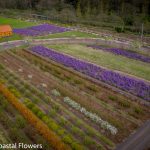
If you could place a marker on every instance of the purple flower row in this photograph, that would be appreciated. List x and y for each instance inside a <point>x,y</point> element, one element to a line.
<point>122,52</point>
<point>135,86</point>
<point>39,30</point>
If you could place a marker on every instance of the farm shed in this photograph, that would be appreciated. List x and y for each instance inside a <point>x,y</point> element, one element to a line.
<point>5,30</point>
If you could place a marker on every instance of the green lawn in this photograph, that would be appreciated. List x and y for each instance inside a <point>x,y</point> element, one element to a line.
<point>11,38</point>
<point>106,59</point>
<point>69,34</point>
<point>15,23</point>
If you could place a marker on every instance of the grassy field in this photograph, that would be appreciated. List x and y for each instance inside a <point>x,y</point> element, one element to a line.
<point>11,38</point>
<point>120,63</point>
<point>15,23</point>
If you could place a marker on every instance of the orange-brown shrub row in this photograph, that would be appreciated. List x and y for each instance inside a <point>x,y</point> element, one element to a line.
<point>49,135</point>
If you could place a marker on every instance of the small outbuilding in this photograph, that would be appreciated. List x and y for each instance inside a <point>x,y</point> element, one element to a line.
<point>5,30</point>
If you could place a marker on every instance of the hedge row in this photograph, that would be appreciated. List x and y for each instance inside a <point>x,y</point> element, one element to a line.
<point>49,135</point>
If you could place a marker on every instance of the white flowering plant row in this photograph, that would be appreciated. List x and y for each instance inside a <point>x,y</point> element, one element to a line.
<point>94,117</point>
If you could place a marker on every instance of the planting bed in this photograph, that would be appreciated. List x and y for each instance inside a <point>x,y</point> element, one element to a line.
<point>106,59</point>
<point>126,83</point>
<point>40,30</point>
<point>121,52</point>
<point>82,114</point>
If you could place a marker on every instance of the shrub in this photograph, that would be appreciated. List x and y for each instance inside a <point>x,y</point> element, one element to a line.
<point>88,141</point>
<point>78,81</point>
<point>40,114</point>
<point>124,103</point>
<point>22,89</point>
<point>63,122</point>
<point>26,101</point>
<point>53,126</point>
<point>61,132</point>
<point>90,132</point>
<point>55,92</point>
<point>35,110</point>
<point>4,104</point>
<point>67,139</point>
<point>76,146</point>
<point>52,113</point>
<point>30,105</point>
<point>113,98</point>
<point>76,130</point>
<point>128,20</point>
<point>45,119</point>
<point>20,122</point>
<point>27,93</point>
<point>56,107</point>
<point>41,95</point>
<point>138,110</point>
<point>3,81</point>
<point>15,92</point>
<point>35,100</point>
<point>119,29</point>
<point>92,88</point>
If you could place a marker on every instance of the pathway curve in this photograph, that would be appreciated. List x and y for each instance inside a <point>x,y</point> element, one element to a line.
<point>114,43</point>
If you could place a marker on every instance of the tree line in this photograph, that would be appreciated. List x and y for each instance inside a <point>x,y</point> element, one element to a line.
<point>86,6</point>
<point>126,12</point>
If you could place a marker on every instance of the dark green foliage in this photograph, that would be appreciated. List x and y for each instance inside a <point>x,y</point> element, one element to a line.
<point>119,29</point>
<point>108,13</point>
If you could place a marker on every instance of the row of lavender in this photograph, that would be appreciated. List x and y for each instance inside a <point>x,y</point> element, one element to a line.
<point>132,85</point>
<point>122,52</point>
<point>39,30</point>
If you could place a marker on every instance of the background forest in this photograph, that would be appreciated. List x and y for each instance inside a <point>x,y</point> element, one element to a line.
<point>120,14</point>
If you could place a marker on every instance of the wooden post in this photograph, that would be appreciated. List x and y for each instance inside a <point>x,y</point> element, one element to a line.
<point>142,30</point>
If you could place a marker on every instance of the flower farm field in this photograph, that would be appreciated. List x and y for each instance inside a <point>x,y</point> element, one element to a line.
<point>70,96</point>
<point>106,59</point>
<point>82,114</point>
